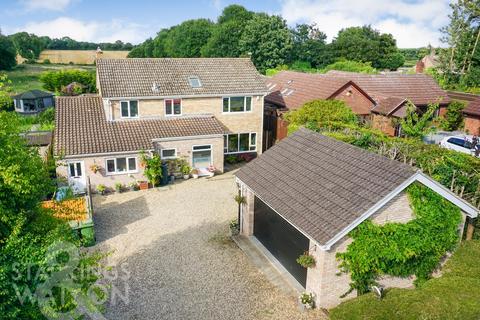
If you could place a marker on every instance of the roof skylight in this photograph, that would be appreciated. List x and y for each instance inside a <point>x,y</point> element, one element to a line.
<point>194,82</point>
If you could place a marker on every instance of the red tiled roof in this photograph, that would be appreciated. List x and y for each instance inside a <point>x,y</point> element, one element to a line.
<point>421,89</point>
<point>293,89</point>
<point>473,108</point>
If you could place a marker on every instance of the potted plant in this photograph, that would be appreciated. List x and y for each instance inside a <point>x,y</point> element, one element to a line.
<point>118,187</point>
<point>186,171</point>
<point>134,186</point>
<point>234,227</point>
<point>153,168</point>
<point>307,300</point>
<point>143,185</point>
<point>306,260</point>
<point>101,189</point>
<point>194,173</point>
<point>95,168</point>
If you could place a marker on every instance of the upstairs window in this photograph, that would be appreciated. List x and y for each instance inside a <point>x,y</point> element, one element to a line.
<point>237,104</point>
<point>129,109</point>
<point>173,107</point>
<point>194,82</point>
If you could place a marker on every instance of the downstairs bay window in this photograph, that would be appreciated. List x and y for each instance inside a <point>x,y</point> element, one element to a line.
<point>121,165</point>
<point>240,142</point>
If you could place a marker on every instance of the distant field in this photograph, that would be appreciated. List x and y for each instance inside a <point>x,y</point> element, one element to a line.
<point>78,56</point>
<point>25,76</point>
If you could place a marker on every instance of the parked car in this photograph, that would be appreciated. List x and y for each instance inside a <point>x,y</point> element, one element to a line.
<point>461,144</point>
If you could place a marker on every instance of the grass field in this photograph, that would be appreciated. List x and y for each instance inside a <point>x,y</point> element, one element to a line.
<point>25,77</point>
<point>455,295</point>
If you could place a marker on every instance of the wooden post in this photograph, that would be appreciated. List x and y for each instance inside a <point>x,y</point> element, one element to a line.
<point>470,229</point>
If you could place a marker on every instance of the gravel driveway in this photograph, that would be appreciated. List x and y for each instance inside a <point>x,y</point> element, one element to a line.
<point>171,246</point>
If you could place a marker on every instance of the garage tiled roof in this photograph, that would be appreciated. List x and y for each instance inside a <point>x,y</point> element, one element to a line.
<point>293,89</point>
<point>419,88</point>
<point>139,77</point>
<point>81,128</point>
<point>473,108</point>
<point>319,184</point>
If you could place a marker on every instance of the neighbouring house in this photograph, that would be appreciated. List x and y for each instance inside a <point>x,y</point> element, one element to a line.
<point>472,117</point>
<point>33,101</point>
<point>198,109</point>
<point>429,61</point>
<point>379,98</point>
<point>306,193</point>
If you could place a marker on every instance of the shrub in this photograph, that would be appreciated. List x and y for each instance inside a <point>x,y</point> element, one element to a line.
<point>453,118</point>
<point>351,66</point>
<point>231,159</point>
<point>153,168</point>
<point>101,188</point>
<point>56,80</point>
<point>46,61</point>
<point>118,187</point>
<point>306,260</point>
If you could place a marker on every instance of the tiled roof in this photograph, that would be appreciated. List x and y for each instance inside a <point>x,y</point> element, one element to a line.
<point>389,105</point>
<point>33,94</point>
<point>319,184</point>
<point>170,77</point>
<point>421,89</point>
<point>473,108</point>
<point>81,128</point>
<point>293,89</point>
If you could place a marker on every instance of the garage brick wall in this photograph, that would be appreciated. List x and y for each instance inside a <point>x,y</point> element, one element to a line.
<point>383,124</point>
<point>325,279</point>
<point>472,125</point>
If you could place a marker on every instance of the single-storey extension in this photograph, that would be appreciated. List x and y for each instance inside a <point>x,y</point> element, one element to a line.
<point>306,193</point>
<point>472,117</point>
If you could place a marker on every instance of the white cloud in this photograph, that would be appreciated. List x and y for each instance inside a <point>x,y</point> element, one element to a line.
<point>88,30</point>
<point>54,5</point>
<point>413,24</point>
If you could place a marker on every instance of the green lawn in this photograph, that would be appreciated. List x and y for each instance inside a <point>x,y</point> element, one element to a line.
<point>24,77</point>
<point>455,295</point>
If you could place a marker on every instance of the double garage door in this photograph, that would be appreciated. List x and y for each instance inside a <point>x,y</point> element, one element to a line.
<point>283,241</point>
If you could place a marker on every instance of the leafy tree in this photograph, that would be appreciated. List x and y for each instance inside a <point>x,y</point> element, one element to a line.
<point>268,41</point>
<point>187,39</point>
<point>351,66</point>
<point>56,81</point>
<point>6,101</point>
<point>453,118</point>
<point>364,44</point>
<point>415,124</point>
<point>8,53</point>
<point>321,113</point>
<point>226,35</point>
<point>309,46</point>
<point>28,45</point>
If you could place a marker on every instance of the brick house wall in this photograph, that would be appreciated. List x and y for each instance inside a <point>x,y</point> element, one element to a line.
<point>184,150</point>
<point>355,99</point>
<point>383,123</point>
<point>241,122</point>
<point>472,124</point>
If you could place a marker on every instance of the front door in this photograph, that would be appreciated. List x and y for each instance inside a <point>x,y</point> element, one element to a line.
<point>76,176</point>
<point>201,156</point>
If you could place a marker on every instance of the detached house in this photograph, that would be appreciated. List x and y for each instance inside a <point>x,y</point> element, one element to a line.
<point>197,109</point>
<point>377,99</point>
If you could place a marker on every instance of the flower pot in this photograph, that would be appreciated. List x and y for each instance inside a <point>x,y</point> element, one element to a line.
<point>195,176</point>
<point>143,185</point>
<point>186,176</point>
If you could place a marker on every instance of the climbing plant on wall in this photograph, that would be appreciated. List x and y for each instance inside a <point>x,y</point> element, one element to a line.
<point>403,249</point>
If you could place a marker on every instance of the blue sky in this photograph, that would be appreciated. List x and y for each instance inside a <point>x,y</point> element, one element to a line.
<point>412,22</point>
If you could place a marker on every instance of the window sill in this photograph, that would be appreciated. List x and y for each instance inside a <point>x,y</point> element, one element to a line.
<point>120,173</point>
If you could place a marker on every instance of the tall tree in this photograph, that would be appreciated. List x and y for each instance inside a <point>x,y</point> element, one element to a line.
<point>267,39</point>
<point>309,45</point>
<point>27,45</point>
<point>364,44</point>
<point>187,39</point>
<point>8,53</point>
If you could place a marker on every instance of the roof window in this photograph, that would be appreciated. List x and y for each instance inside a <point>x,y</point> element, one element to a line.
<point>194,82</point>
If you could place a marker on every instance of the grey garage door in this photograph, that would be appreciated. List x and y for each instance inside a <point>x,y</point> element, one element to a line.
<point>280,238</point>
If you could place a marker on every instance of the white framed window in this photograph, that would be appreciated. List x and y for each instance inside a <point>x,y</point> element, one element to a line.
<point>129,109</point>
<point>173,107</point>
<point>121,165</point>
<point>240,142</point>
<point>168,153</point>
<point>237,104</point>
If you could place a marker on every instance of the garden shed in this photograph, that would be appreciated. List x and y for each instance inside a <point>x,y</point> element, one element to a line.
<point>33,101</point>
<point>309,193</point>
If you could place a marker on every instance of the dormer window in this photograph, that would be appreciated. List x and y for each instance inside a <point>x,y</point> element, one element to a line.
<point>129,109</point>
<point>194,82</point>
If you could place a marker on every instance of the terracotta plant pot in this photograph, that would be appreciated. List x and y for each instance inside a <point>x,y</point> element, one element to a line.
<point>143,185</point>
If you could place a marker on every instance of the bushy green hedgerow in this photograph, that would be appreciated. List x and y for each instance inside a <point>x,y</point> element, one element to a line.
<point>403,249</point>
